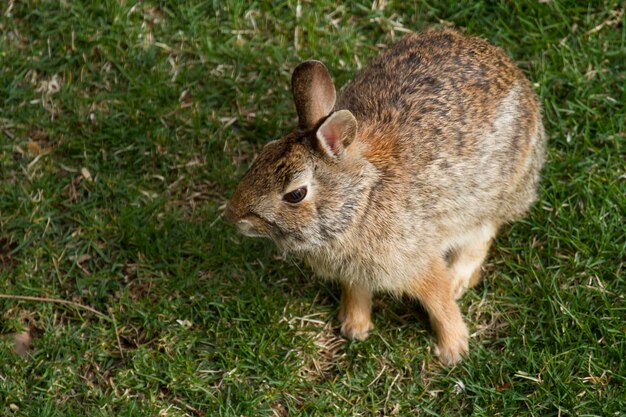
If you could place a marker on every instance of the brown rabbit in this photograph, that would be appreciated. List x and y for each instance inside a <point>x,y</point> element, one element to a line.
<point>401,184</point>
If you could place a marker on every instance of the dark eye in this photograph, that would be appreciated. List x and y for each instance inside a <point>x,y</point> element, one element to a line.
<point>295,196</point>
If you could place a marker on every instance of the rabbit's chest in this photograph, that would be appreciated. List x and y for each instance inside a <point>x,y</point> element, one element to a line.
<point>382,271</point>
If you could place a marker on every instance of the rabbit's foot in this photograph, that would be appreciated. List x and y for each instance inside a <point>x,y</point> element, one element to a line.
<point>459,286</point>
<point>471,248</point>
<point>453,345</point>
<point>356,328</point>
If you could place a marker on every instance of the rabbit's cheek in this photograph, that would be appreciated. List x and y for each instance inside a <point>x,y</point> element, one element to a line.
<point>297,228</point>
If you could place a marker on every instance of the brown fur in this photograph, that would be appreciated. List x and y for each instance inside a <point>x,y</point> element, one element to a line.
<point>312,104</point>
<point>448,146</point>
<point>432,289</point>
<point>355,311</point>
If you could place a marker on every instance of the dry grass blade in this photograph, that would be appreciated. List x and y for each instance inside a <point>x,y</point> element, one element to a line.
<point>73,304</point>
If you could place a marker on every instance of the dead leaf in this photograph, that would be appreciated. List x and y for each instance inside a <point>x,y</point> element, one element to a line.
<point>86,174</point>
<point>22,343</point>
<point>80,259</point>
<point>34,148</point>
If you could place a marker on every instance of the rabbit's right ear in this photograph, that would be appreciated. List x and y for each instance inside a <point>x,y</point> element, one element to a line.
<point>313,92</point>
<point>336,133</point>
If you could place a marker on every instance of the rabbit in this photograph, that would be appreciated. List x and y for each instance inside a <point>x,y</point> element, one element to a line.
<point>400,183</point>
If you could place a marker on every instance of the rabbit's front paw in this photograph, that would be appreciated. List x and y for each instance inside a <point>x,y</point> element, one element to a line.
<point>453,346</point>
<point>356,327</point>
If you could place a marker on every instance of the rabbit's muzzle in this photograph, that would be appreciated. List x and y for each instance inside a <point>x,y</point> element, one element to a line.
<point>247,223</point>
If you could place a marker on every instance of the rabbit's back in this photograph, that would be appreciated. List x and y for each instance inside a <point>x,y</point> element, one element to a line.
<point>451,122</point>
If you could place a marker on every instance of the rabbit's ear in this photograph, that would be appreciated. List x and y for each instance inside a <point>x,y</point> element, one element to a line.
<point>336,133</point>
<point>313,92</point>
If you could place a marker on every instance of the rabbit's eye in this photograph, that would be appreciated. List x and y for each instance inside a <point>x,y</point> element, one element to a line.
<point>295,196</point>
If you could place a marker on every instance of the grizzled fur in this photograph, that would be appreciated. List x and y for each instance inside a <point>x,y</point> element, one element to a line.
<point>409,174</point>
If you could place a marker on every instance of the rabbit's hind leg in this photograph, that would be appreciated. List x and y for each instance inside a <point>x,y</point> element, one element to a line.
<point>467,256</point>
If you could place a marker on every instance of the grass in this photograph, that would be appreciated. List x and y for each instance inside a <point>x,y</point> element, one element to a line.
<point>124,127</point>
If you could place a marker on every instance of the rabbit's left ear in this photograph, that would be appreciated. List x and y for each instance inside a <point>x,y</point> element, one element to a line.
<point>336,133</point>
<point>313,92</point>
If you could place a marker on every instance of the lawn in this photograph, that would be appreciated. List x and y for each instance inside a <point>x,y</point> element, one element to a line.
<point>124,128</point>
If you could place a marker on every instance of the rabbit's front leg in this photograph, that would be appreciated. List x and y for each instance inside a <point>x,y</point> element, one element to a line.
<point>355,311</point>
<point>433,289</point>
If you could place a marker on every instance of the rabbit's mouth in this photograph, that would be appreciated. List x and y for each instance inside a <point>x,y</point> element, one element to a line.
<point>248,223</point>
<point>248,228</point>
<point>254,225</point>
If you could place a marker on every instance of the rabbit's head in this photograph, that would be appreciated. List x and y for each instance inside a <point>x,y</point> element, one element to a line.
<point>307,187</point>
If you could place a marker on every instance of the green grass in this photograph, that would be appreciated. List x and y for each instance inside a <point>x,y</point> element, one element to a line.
<point>124,128</point>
